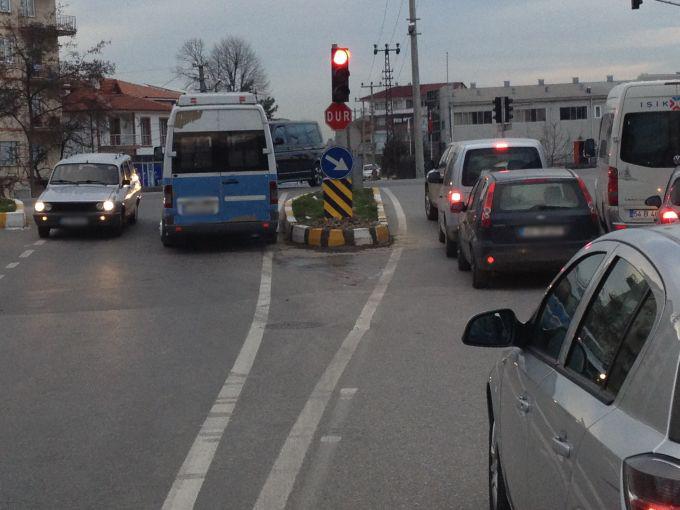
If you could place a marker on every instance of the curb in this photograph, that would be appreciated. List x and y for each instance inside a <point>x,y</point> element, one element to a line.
<point>14,220</point>
<point>324,237</point>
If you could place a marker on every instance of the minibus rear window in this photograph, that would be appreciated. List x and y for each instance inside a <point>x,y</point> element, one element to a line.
<point>651,139</point>
<point>219,151</point>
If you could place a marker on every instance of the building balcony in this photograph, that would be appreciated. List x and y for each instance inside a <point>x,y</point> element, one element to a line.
<point>128,140</point>
<point>66,25</point>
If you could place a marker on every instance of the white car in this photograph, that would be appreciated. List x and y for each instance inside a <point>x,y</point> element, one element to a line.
<point>89,190</point>
<point>371,171</point>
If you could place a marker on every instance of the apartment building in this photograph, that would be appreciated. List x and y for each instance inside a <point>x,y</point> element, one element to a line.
<point>19,21</point>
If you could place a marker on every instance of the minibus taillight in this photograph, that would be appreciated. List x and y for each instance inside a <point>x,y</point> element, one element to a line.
<point>613,186</point>
<point>488,202</point>
<point>651,482</point>
<point>167,196</point>
<point>273,193</point>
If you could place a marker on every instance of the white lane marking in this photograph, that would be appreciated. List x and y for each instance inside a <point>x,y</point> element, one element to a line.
<point>191,476</point>
<point>2,276</point>
<point>39,243</point>
<point>11,265</point>
<point>26,254</point>
<point>279,484</point>
<point>331,439</point>
<point>347,393</point>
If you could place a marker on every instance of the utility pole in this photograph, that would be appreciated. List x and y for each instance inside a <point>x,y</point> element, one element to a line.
<point>201,77</point>
<point>417,107</point>
<point>371,111</point>
<point>388,72</point>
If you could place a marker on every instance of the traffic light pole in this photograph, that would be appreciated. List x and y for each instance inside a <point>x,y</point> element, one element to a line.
<point>417,106</point>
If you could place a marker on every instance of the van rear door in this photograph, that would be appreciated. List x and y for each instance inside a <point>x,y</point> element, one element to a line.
<point>650,140</point>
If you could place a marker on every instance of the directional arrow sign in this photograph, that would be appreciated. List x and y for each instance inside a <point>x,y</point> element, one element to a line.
<point>337,162</point>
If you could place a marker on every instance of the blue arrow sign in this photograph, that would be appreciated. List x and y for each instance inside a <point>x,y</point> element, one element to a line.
<point>337,163</point>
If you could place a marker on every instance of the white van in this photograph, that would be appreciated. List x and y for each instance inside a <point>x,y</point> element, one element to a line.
<point>219,173</point>
<point>638,143</point>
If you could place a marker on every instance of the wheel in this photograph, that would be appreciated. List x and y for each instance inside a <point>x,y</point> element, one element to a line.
<point>442,237</point>
<point>316,177</point>
<point>431,211</point>
<point>117,229</point>
<point>44,232</point>
<point>480,279</point>
<point>498,497</point>
<point>271,238</point>
<point>463,263</point>
<point>451,247</point>
<point>133,219</point>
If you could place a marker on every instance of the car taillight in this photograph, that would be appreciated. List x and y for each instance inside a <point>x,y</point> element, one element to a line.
<point>455,199</point>
<point>273,193</point>
<point>589,200</point>
<point>613,186</point>
<point>488,202</point>
<point>668,216</point>
<point>167,196</point>
<point>651,482</point>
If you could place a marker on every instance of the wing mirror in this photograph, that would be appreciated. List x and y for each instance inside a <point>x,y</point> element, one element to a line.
<point>434,177</point>
<point>653,201</point>
<point>499,328</point>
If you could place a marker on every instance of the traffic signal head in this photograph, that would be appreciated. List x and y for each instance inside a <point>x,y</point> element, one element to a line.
<point>635,4</point>
<point>508,109</point>
<point>340,74</point>
<point>498,110</point>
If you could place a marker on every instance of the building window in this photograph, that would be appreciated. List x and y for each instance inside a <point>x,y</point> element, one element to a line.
<point>530,115</point>
<point>163,129</point>
<point>472,118</point>
<point>145,126</point>
<point>574,113</point>
<point>9,153</point>
<point>598,112</point>
<point>5,6</point>
<point>6,51</point>
<point>27,8</point>
<point>409,103</point>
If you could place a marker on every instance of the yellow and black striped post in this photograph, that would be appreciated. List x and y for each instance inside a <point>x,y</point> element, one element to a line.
<point>337,198</point>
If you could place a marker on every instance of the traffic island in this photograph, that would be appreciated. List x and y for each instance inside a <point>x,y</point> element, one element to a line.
<point>12,214</point>
<point>304,222</point>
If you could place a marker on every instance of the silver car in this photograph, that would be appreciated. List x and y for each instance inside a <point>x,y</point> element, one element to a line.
<point>584,405</point>
<point>89,190</point>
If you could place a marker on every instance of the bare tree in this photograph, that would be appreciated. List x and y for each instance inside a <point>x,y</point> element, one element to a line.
<point>191,57</point>
<point>556,143</point>
<point>235,67</point>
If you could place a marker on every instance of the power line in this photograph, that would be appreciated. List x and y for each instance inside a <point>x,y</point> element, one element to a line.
<point>668,2</point>
<point>396,23</point>
<point>382,27</point>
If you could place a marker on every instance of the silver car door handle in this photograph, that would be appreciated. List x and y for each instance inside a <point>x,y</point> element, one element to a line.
<point>524,404</point>
<point>561,447</point>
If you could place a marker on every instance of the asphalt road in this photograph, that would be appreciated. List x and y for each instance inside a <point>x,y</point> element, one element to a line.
<point>237,375</point>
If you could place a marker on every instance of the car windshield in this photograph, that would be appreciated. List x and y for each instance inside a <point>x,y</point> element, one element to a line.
<point>221,151</point>
<point>538,196</point>
<point>510,158</point>
<point>651,139</point>
<point>85,173</point>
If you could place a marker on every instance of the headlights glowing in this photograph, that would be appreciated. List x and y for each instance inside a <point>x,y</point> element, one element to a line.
<point>39,206</point>
<point>108,205</point>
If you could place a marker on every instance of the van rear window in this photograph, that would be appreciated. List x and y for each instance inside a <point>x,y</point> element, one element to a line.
<point>492,159</point>
<point>221,151</point>
<point>651,139</point>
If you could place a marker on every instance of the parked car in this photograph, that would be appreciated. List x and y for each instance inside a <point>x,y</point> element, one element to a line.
<point>219,171</point>
<point>371,171</point>
<point>584,405</point>
<point>89,190</point>
<point>638,142</point>
<point>450,184</point>
<point>524,220</point>
<point>669,207</point>
<point>298,147</point>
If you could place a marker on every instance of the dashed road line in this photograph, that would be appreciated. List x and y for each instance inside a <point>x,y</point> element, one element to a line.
<point>2,276</point>
<point>39,243</point>
<point>11,265</point>
<point>189,480</point>
<point>26,254</point>
<point>281,479</point>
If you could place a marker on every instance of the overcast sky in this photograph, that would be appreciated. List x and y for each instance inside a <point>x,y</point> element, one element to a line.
<point>488,40</point>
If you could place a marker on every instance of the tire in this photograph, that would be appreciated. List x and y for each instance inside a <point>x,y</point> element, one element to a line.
<point>316,177</point>
<point>271,238</point>
<point>117,230</point>
<point>463,264</point>
<point>431,212</point>
<point>451,247</point>
<point>480,279</point>
<point>442,237</point>
<point>498,496</point>
<point>133,219</point>
<point>44,232</point>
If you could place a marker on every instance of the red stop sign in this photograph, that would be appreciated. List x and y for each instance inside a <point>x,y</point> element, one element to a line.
<point>338,116</point>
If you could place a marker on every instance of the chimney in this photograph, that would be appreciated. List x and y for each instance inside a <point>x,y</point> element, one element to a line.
<point>506,83</point>
<point>574,80</point>
<point>473,85</point>
<point>610,78</point>
<point>541,82</point>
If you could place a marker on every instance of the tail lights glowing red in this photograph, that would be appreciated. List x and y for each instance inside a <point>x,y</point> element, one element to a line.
<point>490,260</point>
<point>651,482</point>
<point>488,203</point>
<point>273,193</point>
<point>501,146</point>
<point>167,196</point>
<point>669,216</point>
<point>589,200</point>
<point>455,200</point>
<point>613,186</point>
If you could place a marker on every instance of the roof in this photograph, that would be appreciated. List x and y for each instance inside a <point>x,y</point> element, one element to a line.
<point>407,90</point>
<point>538,173</point>
<point>96,158</point>
<point>117,95</point>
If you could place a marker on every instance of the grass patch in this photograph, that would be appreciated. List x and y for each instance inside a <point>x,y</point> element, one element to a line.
<point>310,207</point>
<point>7,205</point>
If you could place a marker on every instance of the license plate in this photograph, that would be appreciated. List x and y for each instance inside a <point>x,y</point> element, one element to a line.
<point>199,207</point>
<point>643,213</point>
<point>542,231</point>
<point>74,222</point>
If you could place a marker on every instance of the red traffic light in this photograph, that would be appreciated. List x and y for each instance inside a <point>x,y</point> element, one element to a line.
<point>341,56</point>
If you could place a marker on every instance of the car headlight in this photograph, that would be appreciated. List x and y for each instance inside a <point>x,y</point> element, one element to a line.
<point>108,205</point>
<point>39,206</point>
